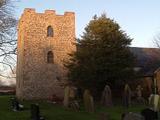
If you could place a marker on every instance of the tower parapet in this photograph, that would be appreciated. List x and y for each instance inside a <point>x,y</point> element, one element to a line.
<point>46,12</point>
<point>50,12</point>
<point>69,13</point>
<point>29,10</point>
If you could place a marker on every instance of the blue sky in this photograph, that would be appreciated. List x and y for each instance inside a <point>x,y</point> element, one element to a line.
<point>139,18</point>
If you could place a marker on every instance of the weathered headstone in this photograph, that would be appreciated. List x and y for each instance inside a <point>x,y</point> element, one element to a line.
<point>69,98</point>
<point>66,96</point>
<point>149,114</point>
<point>133,116</point>
<point>139,97</point>
<point>74,105</point>
<point>72,93</point>
<point>139,91</point>
<point>16,106</point>
<point>35,113</point>
<point>127,96</point>
<point>106,98</point>
<point>151,101</point>
<point>123,115</point>
<point>88,101</point>
<point>154,102</point>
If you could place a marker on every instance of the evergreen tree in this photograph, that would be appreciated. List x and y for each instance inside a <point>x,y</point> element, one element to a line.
<point>102,56</point>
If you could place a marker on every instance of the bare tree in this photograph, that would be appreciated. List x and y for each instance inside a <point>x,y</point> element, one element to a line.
<point>156,40</point>
<point>8,40</point>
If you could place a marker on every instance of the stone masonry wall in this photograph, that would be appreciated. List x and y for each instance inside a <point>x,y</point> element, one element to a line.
<point>37,79</point>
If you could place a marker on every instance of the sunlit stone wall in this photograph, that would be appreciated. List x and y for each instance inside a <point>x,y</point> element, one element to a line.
<point>37,79</point>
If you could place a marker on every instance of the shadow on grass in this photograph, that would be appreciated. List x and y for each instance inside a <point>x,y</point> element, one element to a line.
<point>57,112</point>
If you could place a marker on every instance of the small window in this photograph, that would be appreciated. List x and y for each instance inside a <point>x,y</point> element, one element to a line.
<point>49,31</point>
<point>50,57</point>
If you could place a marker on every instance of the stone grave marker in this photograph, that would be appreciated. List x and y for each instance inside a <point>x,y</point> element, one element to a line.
<point>66,96</point>
<point>133,116</point>
<point>127,96</point>
<point>69,98</point>
<point>154,102</point>
<point>106,98</point>
<point>149,114</point>
<point>139,97</point>
<point>15,105</point>
<point>88,101</point>
<point>35,113</point>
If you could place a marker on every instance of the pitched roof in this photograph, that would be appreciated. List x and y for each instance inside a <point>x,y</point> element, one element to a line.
<point>148,59</point>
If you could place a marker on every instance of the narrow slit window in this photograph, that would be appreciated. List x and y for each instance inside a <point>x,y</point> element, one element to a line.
<point>50,57</point>
<point>49,31</point>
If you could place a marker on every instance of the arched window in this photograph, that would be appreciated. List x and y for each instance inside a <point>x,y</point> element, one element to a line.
<point>49,31</point>
<point>50,57</point>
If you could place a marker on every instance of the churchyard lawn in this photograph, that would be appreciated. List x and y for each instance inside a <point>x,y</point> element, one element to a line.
<point>51,111</point>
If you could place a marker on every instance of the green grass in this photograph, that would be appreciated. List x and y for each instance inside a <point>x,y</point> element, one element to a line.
<point>56,112</point>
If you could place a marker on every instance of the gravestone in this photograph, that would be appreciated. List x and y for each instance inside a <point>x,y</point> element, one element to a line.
<point>139,91</point>
<point>66,96</point>
<point>154,102</point>
<point>151,101</point>
<point>106,98</point>
<point>72,93</point>
<point>133,116</point>
<point>127,96</point>
<point>139,97</point>
<point>88,101</point>
<point>15,105</point>
<point>35,113</point>
<point>69,98</point>
<point>149,114</point>
<point>74,105</point>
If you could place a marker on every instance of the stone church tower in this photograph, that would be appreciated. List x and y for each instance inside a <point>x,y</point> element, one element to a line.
<point>44,41</point>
